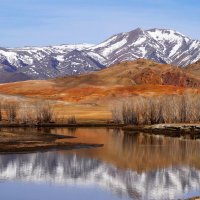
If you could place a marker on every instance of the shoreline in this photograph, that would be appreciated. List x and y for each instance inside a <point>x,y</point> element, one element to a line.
<point>51,147</point>
<point>30,141</point>
<point>184,127</point>
<point>58,125</point>
<point>186,131</point>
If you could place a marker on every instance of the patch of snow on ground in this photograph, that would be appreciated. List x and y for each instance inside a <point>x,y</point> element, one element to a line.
<point>10,56</point>
<point>97,57</point>
<point>73,47</point>
<point>195,45</point>
<point>175,48</point>
<point>60,58</point>
<point>143,51</point>
<point>106,43</point>
<point>163,35</point>
<point>113,47</point>
<point>139,41</point>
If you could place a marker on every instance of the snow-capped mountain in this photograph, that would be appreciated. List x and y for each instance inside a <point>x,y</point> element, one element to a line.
<point>160,45</point>
<point>170,183</point>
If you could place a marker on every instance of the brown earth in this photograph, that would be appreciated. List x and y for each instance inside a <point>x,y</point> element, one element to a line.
<point>194,68</point>
<point>90,96</point>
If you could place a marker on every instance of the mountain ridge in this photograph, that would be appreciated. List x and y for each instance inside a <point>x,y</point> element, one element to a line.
<point>160,45</point>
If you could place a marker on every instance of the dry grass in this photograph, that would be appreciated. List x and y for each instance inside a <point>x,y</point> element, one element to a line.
<point>89,96</point>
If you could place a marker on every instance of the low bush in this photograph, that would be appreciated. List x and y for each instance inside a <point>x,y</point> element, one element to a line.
<point>156,110</point>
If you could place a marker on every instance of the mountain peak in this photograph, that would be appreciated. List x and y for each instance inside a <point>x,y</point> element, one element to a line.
<point>165,34</point>
<point>160,45</point>
<point>137,31</point>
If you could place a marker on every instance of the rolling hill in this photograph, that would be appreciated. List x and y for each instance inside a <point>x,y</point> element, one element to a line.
<point>194,68</point>
<point>91,95</point>
<point>126,76</point>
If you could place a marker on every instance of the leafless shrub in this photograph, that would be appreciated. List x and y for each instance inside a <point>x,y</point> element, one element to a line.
<point>44,112</point>
<point>26,113</point>
<point>11,110</point>
<point>115,116</point>
<point>155,110</point>
<point>1,111</point>
<point>130,112</point>
<point>170,115</point>
<point>72,120</point>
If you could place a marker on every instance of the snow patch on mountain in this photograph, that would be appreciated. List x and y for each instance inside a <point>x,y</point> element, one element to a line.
<point>113,47</point>
<point>160,45</point>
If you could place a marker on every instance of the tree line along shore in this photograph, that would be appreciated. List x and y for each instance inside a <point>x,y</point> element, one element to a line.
<point>136,111</point>
<point>20,113</point>
<point>167,109</point>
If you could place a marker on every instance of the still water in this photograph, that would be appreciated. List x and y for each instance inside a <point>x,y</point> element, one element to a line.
<point>139,167</point>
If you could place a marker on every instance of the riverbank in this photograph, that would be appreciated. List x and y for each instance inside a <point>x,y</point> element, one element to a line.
<point>187,131</point>
<point>163,129</point>
<point>24,142</point>
<point>17,142</point>
<point>64,125</point>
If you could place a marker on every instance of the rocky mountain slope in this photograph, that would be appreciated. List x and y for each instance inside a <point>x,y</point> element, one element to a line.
<point>160,45</point>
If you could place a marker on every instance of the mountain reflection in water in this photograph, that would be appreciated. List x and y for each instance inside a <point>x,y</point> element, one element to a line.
<point>136,167</point>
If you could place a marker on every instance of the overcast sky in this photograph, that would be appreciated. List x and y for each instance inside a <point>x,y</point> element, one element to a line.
<point>50,22</point>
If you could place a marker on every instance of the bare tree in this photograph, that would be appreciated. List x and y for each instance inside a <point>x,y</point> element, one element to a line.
<point>183,108</point>
<point>72,120</point>
<point>11,111</point>
<point>1,113</point>
<point>26,113</point>
<point>116,115</point>
<point>44,112</point>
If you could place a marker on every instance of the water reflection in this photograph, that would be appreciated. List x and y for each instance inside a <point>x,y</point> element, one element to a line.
<point>139,152</point>
<point>138,166</point>
<point>67,170</point>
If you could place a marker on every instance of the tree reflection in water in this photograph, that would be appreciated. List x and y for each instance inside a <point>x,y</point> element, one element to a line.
<point>138,166</point>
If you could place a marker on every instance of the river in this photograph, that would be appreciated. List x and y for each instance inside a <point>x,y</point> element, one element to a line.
<point>138,166</point>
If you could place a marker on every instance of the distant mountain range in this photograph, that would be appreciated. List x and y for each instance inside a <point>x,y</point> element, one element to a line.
<point>160,45</point>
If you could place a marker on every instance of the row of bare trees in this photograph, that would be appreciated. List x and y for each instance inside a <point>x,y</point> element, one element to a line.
<point>31,113</point>
<point>156,110</point>
<point>8,110</point>
<point>40,112</point>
